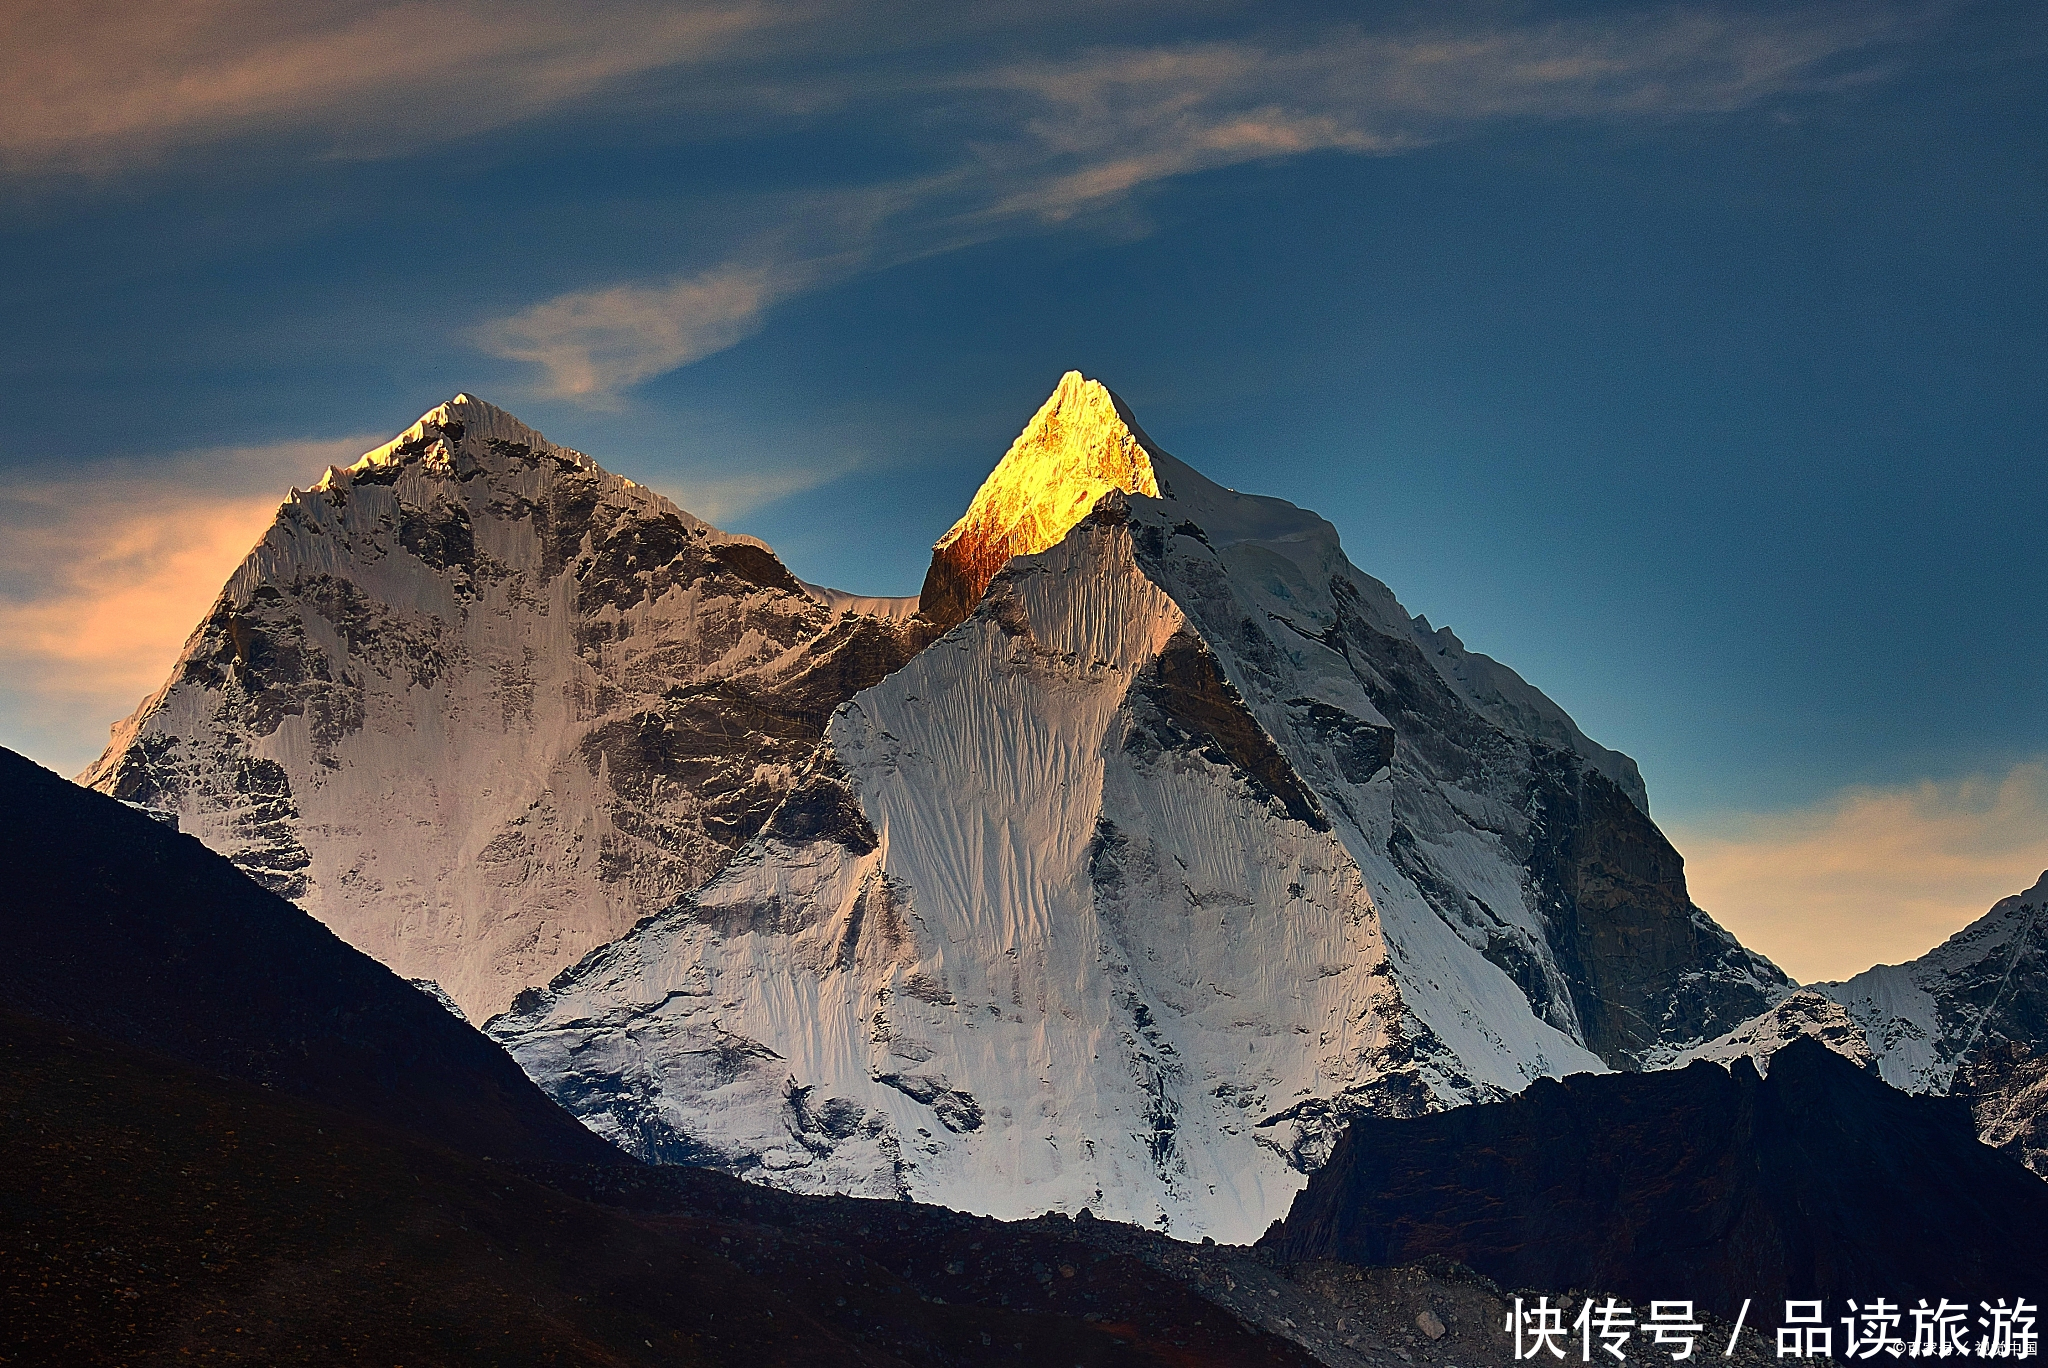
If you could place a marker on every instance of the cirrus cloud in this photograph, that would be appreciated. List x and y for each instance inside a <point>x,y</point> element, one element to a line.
<point>1039,142</point>
<point>102,85</point>
<point>1021,129</point>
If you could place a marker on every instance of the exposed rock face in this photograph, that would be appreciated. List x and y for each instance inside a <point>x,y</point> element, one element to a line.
<point>480,706</point>
<point>1180,850</point>
<point>1501,818</point>
<point>1644,967</point>
<point>2007,1088</point>
<point>1969,1018</point>
<point>1807,1012</point>
<point>1820,1181</point>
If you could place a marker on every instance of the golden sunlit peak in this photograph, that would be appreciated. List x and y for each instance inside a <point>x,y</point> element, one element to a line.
<point>1077,448</point>
<point>1074,450</point>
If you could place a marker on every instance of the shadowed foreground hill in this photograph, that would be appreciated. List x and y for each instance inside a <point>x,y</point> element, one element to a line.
<point>1820,1181</point>
<point>226,1136</point>
<point>115,924</point>
<point>153,1214</point>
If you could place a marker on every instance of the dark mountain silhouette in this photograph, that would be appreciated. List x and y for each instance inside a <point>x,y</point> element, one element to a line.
<point>224,1134</point>
<point>118,925</point>
<point>1705,1183</point>
<point>152,1213</point>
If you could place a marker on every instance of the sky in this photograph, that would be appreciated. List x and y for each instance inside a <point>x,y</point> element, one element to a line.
<point>1691,359</point>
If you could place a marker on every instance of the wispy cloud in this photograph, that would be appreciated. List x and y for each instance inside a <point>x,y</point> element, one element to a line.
<point>592,343</point>
<point>1122,118</point>
<point>105,572</point>
<point>100,86</point>
<point>1020,129</point>
<point>722,498</point>
<point>1043,141</point>
<point>1873,875</point>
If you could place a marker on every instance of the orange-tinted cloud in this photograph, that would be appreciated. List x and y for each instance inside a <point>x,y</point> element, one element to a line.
<point>1872,875</point>
<point>100,86</point>
<point>105,573</point>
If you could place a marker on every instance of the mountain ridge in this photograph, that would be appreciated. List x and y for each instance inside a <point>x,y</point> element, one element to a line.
<point>1967,1019</point>
<point>1182,845</point>
<point>1818,1181</point>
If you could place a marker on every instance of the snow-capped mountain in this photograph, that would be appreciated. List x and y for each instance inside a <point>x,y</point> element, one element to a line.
<point>480,706</point>
<point>1968,1018</point>
<point>1186,844</point>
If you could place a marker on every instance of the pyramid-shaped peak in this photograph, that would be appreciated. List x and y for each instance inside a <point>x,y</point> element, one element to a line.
<point>465,417</point>
<point>1081,444</point>
<point>1076,448</point>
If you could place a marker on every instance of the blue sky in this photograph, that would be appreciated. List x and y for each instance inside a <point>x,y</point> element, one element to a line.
<point>1688,358</point>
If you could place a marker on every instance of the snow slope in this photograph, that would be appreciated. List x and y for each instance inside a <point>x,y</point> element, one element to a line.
<point>1186,845</point>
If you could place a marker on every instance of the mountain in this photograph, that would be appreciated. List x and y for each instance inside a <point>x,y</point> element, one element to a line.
<point>1185,845</point>
<point>479,705</point>
<point>1969,1018</point>
<point>1718,1184</point>
<point>118,926</point>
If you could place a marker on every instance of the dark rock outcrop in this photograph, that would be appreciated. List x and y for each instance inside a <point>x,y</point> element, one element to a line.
<point>1628,965</point>
<point>1644,965</point>
<point>1704,1183</point>
<point>1195,704</point>
<point>2007,1089</point>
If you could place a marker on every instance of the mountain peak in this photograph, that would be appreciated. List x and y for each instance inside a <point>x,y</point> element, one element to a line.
<point>441,428</point>
<point>1081,444</point>
<point>474,635</point>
